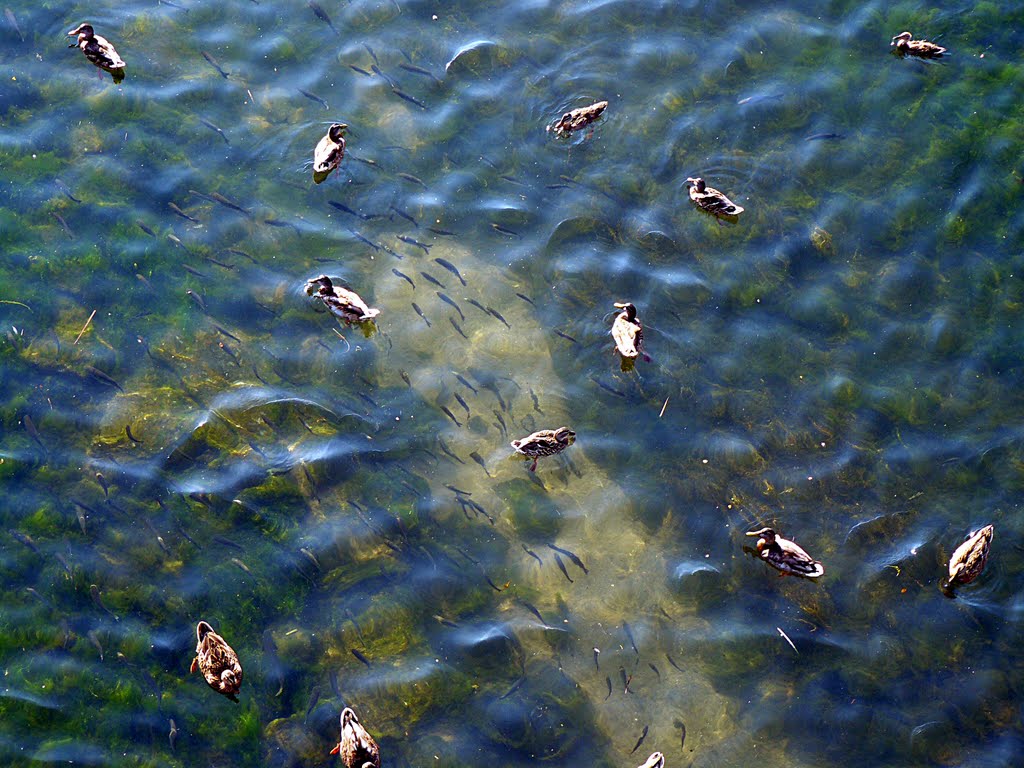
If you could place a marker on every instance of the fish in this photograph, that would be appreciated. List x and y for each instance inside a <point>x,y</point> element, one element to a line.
<point>213,63</point>
<point>504,230</point>
<point>359,655</point>
<point>27,540</point>
<point>449,301</point>
<point>494,586</point>
<point>360,70</point>
<point>597,652</point>
<point>459,378</point>
<point>461,402</point>
<point>609,681</point>
<point>181,213</point>
<point>94,638</point>
<point>405,216</point>
<point>626,680</point>
<point>682,727</point>
<point>94,592</point>
<point>70,232</point>
<point>419,312</point>
<point>64,187</point>
<point>229,543</point>
<point>281,223</point>
<point>199,300</point>
<point>193,271</point>
<point>409,177</point>
<point>451,268</point>
<point>213,127</point>
<point>413,241</point>
<point>824,136</point>
<point>240,253</point>
<point>513,689</point>
<point>388,249</point>
<point>501,421</point>
<point>314,697</point>
<point>451,416</point>
<point>314,97</point>
<point>373,55</point>
<point>405,96</point>
<point>534,555</point>
<point>479,460</point>
<point>607,388</point>
<point>497,314</point>
<point>561,567</point>
<point>14,24</point>
<point>566,336</point>
<point>571,556</point>
<point>536,402</point>
<point>446,622</point>
<point>103,484</point>
<point>640,741</point>
<point>242,565</point>
<point>433,280</point>
<point>271,660</point>
<point>404,277</point>
<point>129,435</point>
<point>333,676</point>
<point>219,198</point>
<point>445,232</point>
<point>377,71</point>
<point>405,377</point>
<point>673,662</point>
<point>172,735</point>
<point>629,634</point>
<point>96,373</point>
<point>651,665</point>
<point>531,608</point>
<point>419,71</point>
<point>321,14</point>
<point>346,209</point>
<point>526,298</point>
<point>227,333</point>
<point>457,328</point>
<point>363,240</point>
<point>448,452</point>
<point>479,306</point>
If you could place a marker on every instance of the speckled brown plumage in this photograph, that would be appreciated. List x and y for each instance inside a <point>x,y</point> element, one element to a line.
<point>329,152</point>
<point>627,331</point>
<point>98,50</point>
<point>217,661</point>
<point>785,555</point>
<point>969,560</point>
<point>710,200</point>
<point>578,118</point>
<point>545,442</point>
<point>344,303</point>
<point>923,49</point>
<point>357,747</point>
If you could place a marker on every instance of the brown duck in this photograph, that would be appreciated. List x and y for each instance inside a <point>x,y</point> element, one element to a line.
<point>785,555</point>
<point>345,304</point>
<point>904,45</point>
<point>656,760</point>
<point>546,442</point>
<point>577,119</point>
<point>711,200</point>
<point>99,51</point>
<point>217,661</point>
<point>627,332</point>
<point>357,747</point>
<point>329,152</point>
<point>969,560</point>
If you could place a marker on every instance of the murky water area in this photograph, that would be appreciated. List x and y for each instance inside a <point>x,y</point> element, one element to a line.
<point>186,435</point>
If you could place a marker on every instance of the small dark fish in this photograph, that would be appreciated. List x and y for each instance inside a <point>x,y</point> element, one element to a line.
<point>314,97</point>
<point>405,377</point>
<point>144,228</point>
<point>451,416</point>
<point>240,253</point>
<point>193,271</point>
<point>494,586</point>
<point>626,680</point>
<point>367,399</point>
<point>513,689</point>
<point>364,240</point>
<point>94,591</point>
<point>228,543</point>
<point>432,280</point>
<point>501,421</point>
<point>377,71</point>
<point>14,23</point>
<point>241,565</point>
<point>419,71</point>
<point>373,55</point>
<point>413,179</point>
<point>346,209</point>
<point>556,186</point>
<point>445,232</point>
<point>536,402</point>
<point>227,333</point>
<point>419,312</point>
<point>412,241</point>
<point>96,373</point>
<point>199,300</point>
<point>281,223</point>
<point>321,14</point>
<point>333,676</point>
<point>186,10</point>
<point>480,460</point>
<point>448,452</point>
<point>404,277</point>
<point>534,555</point>
<point>497,314</point>
<point>405,216</point>
<point>213,63</point>
<point>561,567</point>
<point>504,231</point>
<point>461,402</point>
<point>405,96</point>
<point>219,198</point>
<point>530,607</point>
<point>25,539</point>
<point>608,388</point>
<point>629,634</point>
<point>566,336</point>
<point>824,136</point>
<point>673,662</point>
<point>526,298</point>
<point>94,638</point>
<point>103,484</point>
<point>360,70</point>
<point>70,232</point>
<point>314,697</point>
<point>181,213</point>
<point>682,738</point>
<point>65,189</point>
<point>466,384</point>
<point>455,306</point>
<point>479,306</point>
<point>597,652</point>
<point>388,249</point>
<point>213,127</point>
<point>511,180</point>
<point>640,740</point>
<point>446,622</point>
<point>651,665</point>
<point>457,328</point>
<point>451,268</point>
<point>571,556</point>
<point>359,655</point>
<point>129,435</point>
<point>172,735</point>
<point>609,681</point>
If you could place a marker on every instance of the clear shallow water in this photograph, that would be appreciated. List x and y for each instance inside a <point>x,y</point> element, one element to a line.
<point>843,364</point>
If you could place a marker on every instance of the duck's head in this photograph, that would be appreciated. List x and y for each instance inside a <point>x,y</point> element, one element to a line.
<point>656,760</point>
<point>84,31</point>
<point>900,39</point>
<point>348,718</point>
<point>202,630</point>
<point>321,285</point>
<point>766,537</point>
<point>628,307</point>
<point>698,182</point>
<point>565,436</point>
<point>337,132</point>
<point>228,680</point>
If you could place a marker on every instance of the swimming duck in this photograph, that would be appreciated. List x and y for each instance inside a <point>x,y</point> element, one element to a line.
<point>357,747</point>
<point>627,331</point>
<point>968,561</point>
<point>656,760</point>
<point>328,153</point>
<point>99,51</point>
<point>924,49</point>
<point>546,442</point>
<point>711,200</point>
<point>785,555</point>
<point>346,304</point>
<point>217,661</point>
<point>577,119</point>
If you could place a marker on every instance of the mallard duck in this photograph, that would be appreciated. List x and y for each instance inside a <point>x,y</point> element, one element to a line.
<point>217,661</point>
<point>711,200</point>
<point>905,46</point>
<point>656,760</point>
<point>546,442</point>
<point>627,331</point>
<point>98,50</point>
<point>785,555</point>
<point>346,304</point>
<point>968,561</point>
<point>577,119</point>
<point>357,747</point>
<point>328,153</point>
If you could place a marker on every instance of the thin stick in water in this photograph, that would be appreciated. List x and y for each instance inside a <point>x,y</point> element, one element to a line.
<point>663,407</point>
<point>85,326</point>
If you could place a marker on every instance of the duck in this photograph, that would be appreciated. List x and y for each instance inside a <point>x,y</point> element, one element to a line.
<point>357,747</point>
<point>546,442</point>
<point>968,561</point>
<point>99,51</point>
<point>329,151</point>
<point>711,200</point>
<point>578,118</point>
<point>656,760</point>
<point>905,46</point>
<point>346,304</point>
<point>217,661</point>
<point>785,555</point>
<point>627,331</point>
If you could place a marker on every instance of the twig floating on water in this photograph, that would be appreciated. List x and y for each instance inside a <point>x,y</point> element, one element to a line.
<point>663,407</point>
<point>79,336</point>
